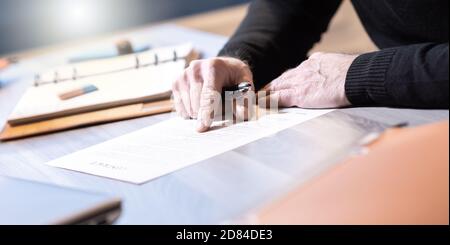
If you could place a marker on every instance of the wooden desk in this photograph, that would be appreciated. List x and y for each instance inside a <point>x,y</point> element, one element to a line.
<point>222,187</point>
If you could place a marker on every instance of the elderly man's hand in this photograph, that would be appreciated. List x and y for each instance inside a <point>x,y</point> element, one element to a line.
<point>198,89</point>
<point>318,82</point>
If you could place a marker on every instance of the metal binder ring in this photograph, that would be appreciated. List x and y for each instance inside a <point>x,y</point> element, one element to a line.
<point>137,61</point>
<point>74,73</point>
<point>156,59</point>
<point>175,55</point>
<point>55,78</point>
<point>37,78</point>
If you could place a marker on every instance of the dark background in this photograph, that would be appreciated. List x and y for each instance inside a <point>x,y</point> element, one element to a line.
<point>32,23</point>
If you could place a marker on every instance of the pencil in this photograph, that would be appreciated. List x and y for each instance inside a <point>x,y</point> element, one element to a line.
<point>77,92</point>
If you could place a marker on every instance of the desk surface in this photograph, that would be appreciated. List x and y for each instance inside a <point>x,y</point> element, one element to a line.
<point>220,188</point>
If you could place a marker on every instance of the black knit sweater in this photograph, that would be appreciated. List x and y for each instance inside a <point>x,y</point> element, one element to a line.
<point>410,70</point>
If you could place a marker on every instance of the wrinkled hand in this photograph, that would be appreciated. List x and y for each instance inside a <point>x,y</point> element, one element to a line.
<point>196,91</point>
<point>318,82</point>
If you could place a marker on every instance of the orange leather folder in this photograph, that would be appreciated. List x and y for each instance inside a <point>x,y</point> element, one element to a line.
<point>403,179</point>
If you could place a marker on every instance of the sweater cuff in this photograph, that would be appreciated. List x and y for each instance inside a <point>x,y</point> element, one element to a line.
<point>365,81</point>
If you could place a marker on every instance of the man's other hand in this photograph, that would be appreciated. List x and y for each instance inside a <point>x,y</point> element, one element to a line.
<point>318,82</point>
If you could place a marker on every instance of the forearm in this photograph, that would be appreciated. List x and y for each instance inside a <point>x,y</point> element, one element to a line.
<point>409,76</point>
<point>276,35</point>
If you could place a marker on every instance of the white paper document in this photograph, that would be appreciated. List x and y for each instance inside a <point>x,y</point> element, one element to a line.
<point>173,144</point>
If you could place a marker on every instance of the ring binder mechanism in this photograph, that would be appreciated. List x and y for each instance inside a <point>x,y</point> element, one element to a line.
<point>123,80</point>
<point>118,64</point>
<point>137,62</point>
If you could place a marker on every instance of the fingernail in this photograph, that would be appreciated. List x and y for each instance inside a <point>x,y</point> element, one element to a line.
<point>200,126</point>
<point>184,115</point>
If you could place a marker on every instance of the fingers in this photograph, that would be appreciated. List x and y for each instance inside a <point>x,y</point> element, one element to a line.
<point>293,78</point>
<point>244,106</point>
<point>282,90</point>
<point>288,89</point>
<point>197,93</point>
<point>184,88</point>
<point>195,90</point>
<point>179,106</point>
<point>209,98</point>
<point>280,98</point>
<point>282,82</point>
<point>208,104</point>
<point>186,92</point>
<point>286,97</point>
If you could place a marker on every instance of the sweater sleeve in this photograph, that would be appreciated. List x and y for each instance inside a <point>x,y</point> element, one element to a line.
<point>407,76</point>
<point>276,35</point>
